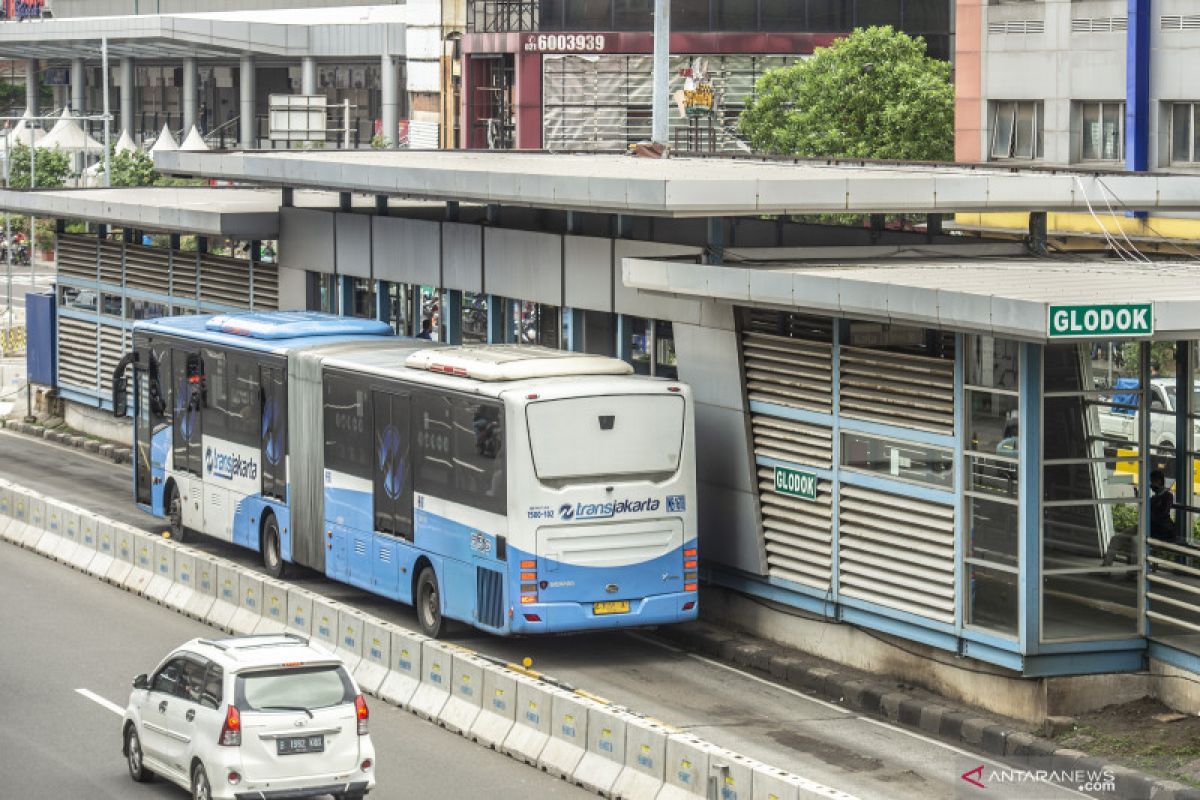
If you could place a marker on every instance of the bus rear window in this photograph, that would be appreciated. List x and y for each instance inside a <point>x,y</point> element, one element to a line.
<point>628,436</point>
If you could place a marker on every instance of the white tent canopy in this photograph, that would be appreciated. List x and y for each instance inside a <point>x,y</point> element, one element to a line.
<point>125,143</point>
<point>20,132</point>
<point>67,134</point>
<point>193,142</point>
<point>165,141</point>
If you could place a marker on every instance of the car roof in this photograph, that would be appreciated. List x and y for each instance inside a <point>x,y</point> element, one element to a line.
<point>237,653</point>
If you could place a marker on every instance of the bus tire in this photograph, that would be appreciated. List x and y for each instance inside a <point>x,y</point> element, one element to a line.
<point>175,514</point>
<point>272,547</point>
<point>429,604</point>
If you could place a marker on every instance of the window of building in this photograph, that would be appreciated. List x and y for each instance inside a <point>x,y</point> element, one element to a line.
<point>144,309</point>
<point>111,305</point>
<point>396,305</point>
<point>361,299</point>
<point>898,460</point>
<point>1101,130</point>
<point>1017,129</point>
<point>1185,133</point>
<point>321,292</point>
<point>992,458</point>
<point>474,318</point>
<point>1091,531</point>
<point>737,15</point>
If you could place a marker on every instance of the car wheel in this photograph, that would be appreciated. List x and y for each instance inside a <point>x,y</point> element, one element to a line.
<point>133,757</point>
<point>175,514</point>
<point>429,604</point>
<point>272,552</point>
<point>201,789</point>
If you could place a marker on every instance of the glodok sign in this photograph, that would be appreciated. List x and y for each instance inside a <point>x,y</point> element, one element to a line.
<point>1101,321</point>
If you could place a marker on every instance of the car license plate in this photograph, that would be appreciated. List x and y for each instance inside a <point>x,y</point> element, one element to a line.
<point>611,607</point>
<point>291,745</point>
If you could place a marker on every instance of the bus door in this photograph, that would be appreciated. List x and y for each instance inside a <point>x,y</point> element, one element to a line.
<point>188,375</point>
<point>136,361</point>
<point>392,487</point>
<point>273,430</point>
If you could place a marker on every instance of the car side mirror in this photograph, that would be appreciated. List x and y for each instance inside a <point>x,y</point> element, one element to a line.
<point>141,681</point>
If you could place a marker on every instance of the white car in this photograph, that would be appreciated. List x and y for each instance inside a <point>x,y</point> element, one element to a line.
<point>251,717</point>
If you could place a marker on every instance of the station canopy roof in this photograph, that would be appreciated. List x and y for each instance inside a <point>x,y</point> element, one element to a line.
<point>341,32</point>
<point>997,295</point>
<point>690,187</point>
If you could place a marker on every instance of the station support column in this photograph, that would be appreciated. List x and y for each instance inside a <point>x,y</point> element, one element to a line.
<point>247,127</point>
<point>191,95</point>
<point>78,87</point>
<point>128,90</point>
<point>31,87</point>
<point>389,84</point>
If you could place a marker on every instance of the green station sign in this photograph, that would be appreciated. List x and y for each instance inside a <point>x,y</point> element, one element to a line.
<point>796,483</point>
<point>1101,321</point>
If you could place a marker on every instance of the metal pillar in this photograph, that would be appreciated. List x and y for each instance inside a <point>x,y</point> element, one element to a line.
<point>714,250</point>
<point>246,128</point>
<point>389,85</point>
<point>191,94</point>
<point>308,75</point>
<point>127,92</point>
<point>288,198</point>
<point>78,87</point>
<point>345,201</point>
<point>497,314</point>
<point>662,55</point>
<point>1037,233</point>
<point>31,87</point>
<point>452,316</point>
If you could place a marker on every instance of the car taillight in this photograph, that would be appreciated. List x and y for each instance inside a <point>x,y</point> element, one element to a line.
<point>364,714</point>
<point>231,730</point>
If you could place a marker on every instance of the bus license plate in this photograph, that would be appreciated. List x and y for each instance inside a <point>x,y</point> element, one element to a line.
<point>611,607</point>
<point>292,745</point>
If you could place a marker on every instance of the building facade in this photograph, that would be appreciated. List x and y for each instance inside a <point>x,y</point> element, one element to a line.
<point>575,74</point>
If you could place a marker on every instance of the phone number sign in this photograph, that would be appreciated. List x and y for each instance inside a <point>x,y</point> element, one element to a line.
<point>565,43</point>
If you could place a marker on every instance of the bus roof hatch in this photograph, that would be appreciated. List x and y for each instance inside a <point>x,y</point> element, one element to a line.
<point>295,324</point>
<point>513,362</point>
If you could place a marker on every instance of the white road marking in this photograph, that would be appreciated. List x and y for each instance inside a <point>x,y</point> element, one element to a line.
<point>880,723</point>
<point>100,701</point>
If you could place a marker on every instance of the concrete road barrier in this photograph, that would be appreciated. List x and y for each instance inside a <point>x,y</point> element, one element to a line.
<point>106,542</point>
<point>299,611</point>
<point>226,604</point>
<point>204,580</point>
<point>431,695</point>
<point>466,691</point>
<point>19,516</point>
<point>274,607</point>
<point>249,611</point>
<point>183,579</point>
<point>372,671</point>
<point>687,775</point>
<point>55,527</point>
<point>70,534</point>
<point>531,722</point>
<point>36,526</point>
<point>124,551</point>
<point>404,667</point>
<point>498,709</point>
<point>645,757</point>
<point>776,784</point>
<point>143,558</point>
<point>164,569</point>
<point>89,528</point>
<point>568,734</point>
<point>325,621</point>
<point>733,773</point>
<point>604,758</point>
<point>349,644</point>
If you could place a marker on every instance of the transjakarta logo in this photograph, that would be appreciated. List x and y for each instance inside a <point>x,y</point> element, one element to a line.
<point>228,465</point>
<point>607,510</point>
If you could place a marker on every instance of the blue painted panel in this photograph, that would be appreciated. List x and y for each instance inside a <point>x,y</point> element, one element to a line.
<point>41,351</point>
<point>160,448</point>
<point>349,508</point>
<point>1038,666</point>
<point>336,565</point>
<point>386,566</point>
<point>1180,659</point>
<point>360,556</point>
<point>1137,87</point>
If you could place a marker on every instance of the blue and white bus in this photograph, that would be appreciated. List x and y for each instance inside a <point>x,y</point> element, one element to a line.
<point>518,489</point>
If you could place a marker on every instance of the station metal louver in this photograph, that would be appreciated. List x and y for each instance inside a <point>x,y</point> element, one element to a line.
<point>900,389</point>
<point>896,551</point>
<point>76,256</point>
<point>797,533</point>
<point>78,349</point>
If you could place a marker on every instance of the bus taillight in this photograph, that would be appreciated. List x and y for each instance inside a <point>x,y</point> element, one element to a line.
<point>689,569</point>
<point>529,585</point>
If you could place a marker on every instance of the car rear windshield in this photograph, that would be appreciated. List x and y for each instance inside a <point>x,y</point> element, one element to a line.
<point>294,688</point>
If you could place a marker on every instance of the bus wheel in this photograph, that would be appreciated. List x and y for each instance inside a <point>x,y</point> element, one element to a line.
<point>175,514</point>
<point>429,604</point>
<point>272,552</point>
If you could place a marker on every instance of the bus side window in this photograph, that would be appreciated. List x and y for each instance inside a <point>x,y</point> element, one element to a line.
<point>214,399</point>
<point>242,404</point>
<point>433,428</point>
<point>479,454</point>
<point>347,435</point>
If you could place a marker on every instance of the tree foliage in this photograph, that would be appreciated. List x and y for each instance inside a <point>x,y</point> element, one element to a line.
<point>51,168</point>
<point>131,168</point>
<point>872,94</point>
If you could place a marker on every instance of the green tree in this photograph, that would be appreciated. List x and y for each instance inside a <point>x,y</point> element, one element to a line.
<point>132,168</point>
<point>52,168</point>
<point>872,94</point>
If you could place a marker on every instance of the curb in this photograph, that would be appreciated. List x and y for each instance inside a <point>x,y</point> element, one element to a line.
<point>606,748</point>
<point>115,453</point>
<point>888,701</point>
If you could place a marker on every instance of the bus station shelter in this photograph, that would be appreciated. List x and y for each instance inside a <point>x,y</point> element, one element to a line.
<point>958,452</point>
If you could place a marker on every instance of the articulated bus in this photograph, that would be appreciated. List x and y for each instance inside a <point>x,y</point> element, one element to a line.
<point>518,489</point>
